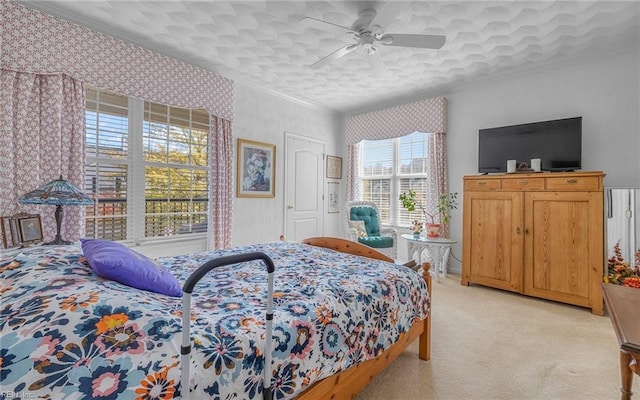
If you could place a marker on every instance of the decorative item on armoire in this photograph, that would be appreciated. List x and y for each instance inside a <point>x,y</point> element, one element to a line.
<point>58,192</point>
<point>535,164</point>
<point>523,167</point>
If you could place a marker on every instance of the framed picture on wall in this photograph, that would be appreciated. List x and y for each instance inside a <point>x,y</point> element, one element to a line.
<point>256,169</point>
<point>334,167</point>
<point>333,196</point>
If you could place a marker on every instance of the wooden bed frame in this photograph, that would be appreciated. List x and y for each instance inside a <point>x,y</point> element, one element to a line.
<point>348,383</point>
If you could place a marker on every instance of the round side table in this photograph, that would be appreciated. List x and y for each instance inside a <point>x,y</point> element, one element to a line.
<point>438,250</point>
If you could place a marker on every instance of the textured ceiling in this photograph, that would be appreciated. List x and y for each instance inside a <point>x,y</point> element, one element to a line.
<point>262,42</point>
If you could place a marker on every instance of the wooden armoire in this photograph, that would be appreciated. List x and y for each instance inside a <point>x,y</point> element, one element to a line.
<point>539,234</point>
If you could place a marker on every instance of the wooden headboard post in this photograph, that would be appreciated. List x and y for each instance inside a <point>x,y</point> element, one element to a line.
<point>424,351</point>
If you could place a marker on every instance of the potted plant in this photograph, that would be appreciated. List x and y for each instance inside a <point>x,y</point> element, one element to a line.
<point>446,203</point>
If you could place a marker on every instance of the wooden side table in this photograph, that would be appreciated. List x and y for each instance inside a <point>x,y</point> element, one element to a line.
<point>623,304</point>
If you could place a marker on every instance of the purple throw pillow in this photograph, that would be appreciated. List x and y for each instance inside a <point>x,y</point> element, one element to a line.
<point>117,262</point>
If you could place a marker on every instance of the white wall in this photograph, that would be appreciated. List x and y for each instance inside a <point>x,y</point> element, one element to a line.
<point>265,117</point>
<point>604,92</point>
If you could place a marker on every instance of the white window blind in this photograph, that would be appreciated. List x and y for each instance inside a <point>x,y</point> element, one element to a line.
<point>175,144</point>
<point>106,170</point>
<point>393,166</point>
<point>146,166</point>
<point>377,175</point>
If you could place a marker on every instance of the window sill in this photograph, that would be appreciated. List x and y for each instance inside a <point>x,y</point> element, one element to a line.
<point>170,246</point>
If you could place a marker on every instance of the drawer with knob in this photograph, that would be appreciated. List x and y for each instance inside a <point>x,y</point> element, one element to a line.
<point>584,183</point>
<point>481,184</point>
<point>523,183</point>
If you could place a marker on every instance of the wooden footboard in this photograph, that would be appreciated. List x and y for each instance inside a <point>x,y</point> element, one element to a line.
<point>348,383</point>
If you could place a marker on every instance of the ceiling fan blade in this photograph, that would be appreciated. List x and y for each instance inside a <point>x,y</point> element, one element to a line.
<point>342,51</point>
<point>364,20</point>
<point>376,64</point>
<point>411,40</point>
<point>387,14</point>
<point>323,25</point>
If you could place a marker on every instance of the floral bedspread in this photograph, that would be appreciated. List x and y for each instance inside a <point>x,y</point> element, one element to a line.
<point>66,333</point>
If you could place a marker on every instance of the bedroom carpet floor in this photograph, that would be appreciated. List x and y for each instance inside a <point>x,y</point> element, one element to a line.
<point>491,344</point>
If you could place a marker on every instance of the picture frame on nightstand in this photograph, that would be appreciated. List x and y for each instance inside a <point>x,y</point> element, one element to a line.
<point>20,230</point>
<point>30,228</point>
<point>9,231</point>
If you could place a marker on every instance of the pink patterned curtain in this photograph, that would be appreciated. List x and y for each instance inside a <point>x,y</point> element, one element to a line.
<point>437,171</point>
<point>353,173</point>
<point>36,42</point>
<point>220,193</point>
<point>42,118</point>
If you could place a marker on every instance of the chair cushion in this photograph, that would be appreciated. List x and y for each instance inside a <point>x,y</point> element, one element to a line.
<point>377,242</point>
<point>370,217</point>
<point>359,227</point>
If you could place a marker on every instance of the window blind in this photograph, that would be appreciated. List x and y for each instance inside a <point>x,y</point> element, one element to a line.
<point>393,166</point>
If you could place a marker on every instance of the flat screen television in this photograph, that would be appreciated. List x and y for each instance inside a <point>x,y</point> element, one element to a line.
<point>557,143</point>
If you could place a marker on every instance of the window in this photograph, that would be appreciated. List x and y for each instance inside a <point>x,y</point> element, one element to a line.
<point>393,166</point>
<point>146,166</point>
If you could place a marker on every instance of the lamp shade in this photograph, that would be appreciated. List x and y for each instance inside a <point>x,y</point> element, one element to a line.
<point>56,192</point>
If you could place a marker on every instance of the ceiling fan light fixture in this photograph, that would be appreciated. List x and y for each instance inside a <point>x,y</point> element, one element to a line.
<point>368,30</point>
<point>376,30</point>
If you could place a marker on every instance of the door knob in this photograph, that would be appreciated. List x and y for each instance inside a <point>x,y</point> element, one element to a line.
<point>290,206</point>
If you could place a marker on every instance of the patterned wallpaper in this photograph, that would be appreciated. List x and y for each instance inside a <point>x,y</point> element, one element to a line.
<point>36,42</point>
<point>428,115</point>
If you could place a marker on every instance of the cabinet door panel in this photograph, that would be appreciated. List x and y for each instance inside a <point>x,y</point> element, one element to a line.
<point>557,253</point>
<point>492,243</point>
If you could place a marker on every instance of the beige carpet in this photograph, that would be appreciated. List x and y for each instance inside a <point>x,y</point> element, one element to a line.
<point>491,344</point>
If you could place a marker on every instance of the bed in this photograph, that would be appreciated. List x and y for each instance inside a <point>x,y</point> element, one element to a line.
<point>339,319</point>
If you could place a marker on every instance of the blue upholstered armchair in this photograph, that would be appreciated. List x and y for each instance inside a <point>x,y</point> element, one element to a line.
<point>362,225</point>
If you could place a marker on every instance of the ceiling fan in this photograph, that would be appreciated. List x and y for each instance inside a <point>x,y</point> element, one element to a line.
<point>367,32</point>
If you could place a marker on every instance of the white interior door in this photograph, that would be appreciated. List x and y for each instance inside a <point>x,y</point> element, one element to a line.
<point>304,182</point>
